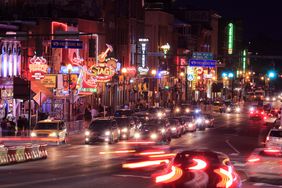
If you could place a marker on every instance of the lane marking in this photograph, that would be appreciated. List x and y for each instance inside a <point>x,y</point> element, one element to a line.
<point>132,176</point>
<point>230,145</point>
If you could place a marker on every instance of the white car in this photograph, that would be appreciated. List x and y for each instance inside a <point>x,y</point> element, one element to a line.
<point>274,138</point>
<point>265,163</point>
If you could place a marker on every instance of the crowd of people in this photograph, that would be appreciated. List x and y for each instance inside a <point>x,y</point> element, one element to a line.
<point>10,127</point>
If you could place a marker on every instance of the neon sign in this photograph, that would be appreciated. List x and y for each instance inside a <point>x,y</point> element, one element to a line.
<point>230,37</point>
<point>38,67</point>
<point>143,69</point>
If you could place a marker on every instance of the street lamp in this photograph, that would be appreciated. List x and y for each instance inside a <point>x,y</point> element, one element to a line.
<point>154,72</point>
<point>69,68</point>
<point>124,72</point>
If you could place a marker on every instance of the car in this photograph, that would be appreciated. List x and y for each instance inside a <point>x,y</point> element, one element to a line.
<point>264,163</point>
<point>200,122</point>
<point>123,112</point>
<point>189,123</point>
<point>157,130</point>
<point>126,126</point>
<point>256,113</point>
<point>233,109</point>
<point>209,120</point>
<point>217,106</point>
<point>175,127</point>
<point>102,130</point>
<point>274,138</point>
<point>199,168</point>
<point>53,130</point>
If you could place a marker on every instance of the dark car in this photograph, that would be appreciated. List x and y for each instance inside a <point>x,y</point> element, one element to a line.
<point>102,130</point>
<point>176,128</point>
<point>157,130</point>
<point>126,126</point>
<point>123,112</point>
<point>199,168</point>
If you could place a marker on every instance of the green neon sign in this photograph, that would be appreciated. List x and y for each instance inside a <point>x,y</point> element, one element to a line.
<point>230,37</point>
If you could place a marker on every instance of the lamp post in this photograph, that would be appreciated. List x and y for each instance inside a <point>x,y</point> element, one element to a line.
<point>69,68</point>
<point>182,75</point>
<point>124,72</point>
<point>154,72</point>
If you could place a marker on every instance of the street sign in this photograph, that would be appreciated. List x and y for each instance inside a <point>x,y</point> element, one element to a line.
<point>74,44</point>
<point>202,63</point>
<point>202,55</point>
<point>190,77</point>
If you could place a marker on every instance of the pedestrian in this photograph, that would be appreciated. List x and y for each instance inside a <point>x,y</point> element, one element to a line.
<point>20,126</point>
<point>87,114</point>
<point>4,127</point>
<point>94,113</point>
<point>12,127</point>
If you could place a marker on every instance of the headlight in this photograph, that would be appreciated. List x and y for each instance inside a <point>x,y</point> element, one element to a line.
<point>124,130</point>
<point>197,111</point>
<point>251,108</point>
<point>107,133</point>
<point>187,110</point>
<point>177,110</point>
<point>137,135</point>
<point>238,109</point>
<point>33,134</point>
<point>87,133</point>
<point>228,109</point>
<point>199,120</point>
<point>190,125</point>
<point>159,114</point>
<point>154,136</point>
<point>267,98</point>
<point>274,99</point>
<point>53,134</point>
<point>173,128</point>
<point>207,121</point>
<point>162,130</point>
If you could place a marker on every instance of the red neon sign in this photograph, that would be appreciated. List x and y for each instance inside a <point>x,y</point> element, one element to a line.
<point>38,67</point>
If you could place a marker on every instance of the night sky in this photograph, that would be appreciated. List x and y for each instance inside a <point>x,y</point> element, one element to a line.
<point>260,17</point>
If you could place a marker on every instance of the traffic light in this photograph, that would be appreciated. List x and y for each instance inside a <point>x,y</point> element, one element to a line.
<point>92,47</point>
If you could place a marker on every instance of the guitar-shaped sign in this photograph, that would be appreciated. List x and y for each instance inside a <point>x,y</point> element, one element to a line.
<point>103,55</point>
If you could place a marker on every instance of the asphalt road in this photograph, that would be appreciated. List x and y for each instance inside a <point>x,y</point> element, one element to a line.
<point>79,165</point>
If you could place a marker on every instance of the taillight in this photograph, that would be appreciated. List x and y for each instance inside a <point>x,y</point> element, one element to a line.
<point>145,164</point>
<point>200,165</point>
<point>262,113</point>
<point>251,112</point>
<point>253,159</point>
<point>264,117</point>
<point>226,177</point>
<point>174,174</point>
<point>271,151</point>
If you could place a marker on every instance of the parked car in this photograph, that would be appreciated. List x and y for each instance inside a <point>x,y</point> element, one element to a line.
<point>175,127</point>
<point>102,130</point>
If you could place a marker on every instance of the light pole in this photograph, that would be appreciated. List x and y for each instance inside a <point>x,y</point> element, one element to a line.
<point>154,72</point>
<point>182,75</point>
<point>69,68</point>
<point>123,71</point>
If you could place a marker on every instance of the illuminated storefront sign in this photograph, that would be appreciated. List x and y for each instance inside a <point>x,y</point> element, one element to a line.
<point>102,72</point>
<point>75,69</point>
<point>244,60</point>
<point>230,30</point>
<point>143,69</point>
<point>38,67</point>
<point>130,71</point>
<point>49,81</point>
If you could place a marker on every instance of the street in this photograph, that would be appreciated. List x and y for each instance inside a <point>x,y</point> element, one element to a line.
<point>79,165</point>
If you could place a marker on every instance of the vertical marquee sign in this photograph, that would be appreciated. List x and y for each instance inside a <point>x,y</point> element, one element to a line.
<point>143,68</point>
<point>38,67</point>
<point>230,30</point>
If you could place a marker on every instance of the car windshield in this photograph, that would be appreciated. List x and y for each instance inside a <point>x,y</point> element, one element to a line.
<point>46,126</point>
<point>149,127</point>
<point>276,133</point>
<point>120,113</point>
<point>122,121</point>
<point>156,122</point>
<point>100,125</point>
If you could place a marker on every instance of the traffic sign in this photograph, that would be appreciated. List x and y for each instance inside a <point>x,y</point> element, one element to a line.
<point>202,55</point>
<point>190,77</point>
<point>202,63</point>
<point>74,44</point>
